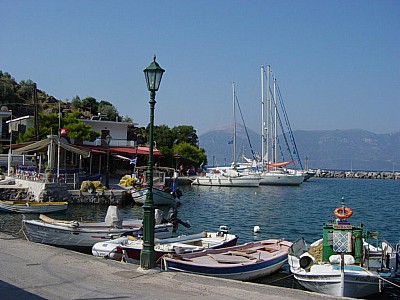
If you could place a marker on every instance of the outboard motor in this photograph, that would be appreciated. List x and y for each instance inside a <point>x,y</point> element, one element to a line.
<point>175,192</point>
<point>178,193</point>
<point>171,215</point>
<point>223,230</point>
<point>158,216</point>
<point>113,217</point>
<point>172,218</point>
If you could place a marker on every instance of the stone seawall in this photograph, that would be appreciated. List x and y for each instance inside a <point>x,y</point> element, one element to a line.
<point>357,174</point>
<point>28,190</point>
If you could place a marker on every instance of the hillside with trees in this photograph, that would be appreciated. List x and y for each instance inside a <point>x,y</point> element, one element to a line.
<point>177,144</point>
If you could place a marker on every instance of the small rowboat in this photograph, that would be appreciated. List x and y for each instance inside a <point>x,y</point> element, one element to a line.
<point>83,235</point>
<point>132,248</point>
<point>31,207</point>
<point>243,262</point>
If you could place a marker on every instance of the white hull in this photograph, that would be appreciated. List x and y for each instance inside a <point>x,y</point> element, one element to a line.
<point>159,197</point>
<point>107,248</point>
<point>222,180</point>
<point>277,178</point>
<point>180,244</point>
<point>86,234</point>
<point>357,282</point>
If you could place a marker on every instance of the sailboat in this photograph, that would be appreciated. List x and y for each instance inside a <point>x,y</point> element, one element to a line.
<point>273,172</point>
<point>229,176</point>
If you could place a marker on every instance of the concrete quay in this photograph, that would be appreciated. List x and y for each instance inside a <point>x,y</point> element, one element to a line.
<point>33,271</point>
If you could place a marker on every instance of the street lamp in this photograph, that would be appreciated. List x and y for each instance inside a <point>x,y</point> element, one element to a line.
<point>108,140</point>
<point>9,150</point>
<point>153,74</point>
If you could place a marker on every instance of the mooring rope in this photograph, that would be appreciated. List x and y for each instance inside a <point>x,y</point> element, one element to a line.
<point>380,277</point>
<point>279,279</point>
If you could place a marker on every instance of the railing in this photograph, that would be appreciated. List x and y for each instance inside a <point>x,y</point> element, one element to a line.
<point>113,143</point>
<point>72,179</point>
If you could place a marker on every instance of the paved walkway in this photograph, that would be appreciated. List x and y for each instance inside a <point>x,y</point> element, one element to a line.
<point>33,271</point>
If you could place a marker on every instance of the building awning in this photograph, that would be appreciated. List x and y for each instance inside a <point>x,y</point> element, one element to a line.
<point>42,146</point>
<point>131,151</point>
<point>134,151</point>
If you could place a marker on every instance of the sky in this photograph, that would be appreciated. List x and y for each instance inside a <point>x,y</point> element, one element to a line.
<point>337,63</point>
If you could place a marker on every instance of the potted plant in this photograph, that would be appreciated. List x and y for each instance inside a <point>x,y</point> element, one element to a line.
<point>48,174</point>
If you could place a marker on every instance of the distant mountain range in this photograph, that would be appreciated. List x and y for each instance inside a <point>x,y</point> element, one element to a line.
<point>353,149</point>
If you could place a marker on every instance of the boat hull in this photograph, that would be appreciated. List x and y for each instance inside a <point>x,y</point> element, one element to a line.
<point>357,284</point>
<point>84,236</point>
<point>281,179</point>
<point>134,252</point>
<point>243,273</point>
<point>32,207</point>
<point>160,197</point>
<point>240,181</point>
<point>242,262</point>
<point>354,281</point>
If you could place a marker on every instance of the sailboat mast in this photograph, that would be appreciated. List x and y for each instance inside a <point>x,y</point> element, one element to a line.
<point>262,118</point>
<point>268,115</point>
<point>234,123</point>
<point>275,125</point>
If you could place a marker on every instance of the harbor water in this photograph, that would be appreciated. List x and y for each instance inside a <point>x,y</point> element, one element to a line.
<point>280,212</point>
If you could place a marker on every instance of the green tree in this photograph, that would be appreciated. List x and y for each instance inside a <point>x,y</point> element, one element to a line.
<point>137,134</point>
<point>90,104</point>
<point>25,91</point>
<point>76,103</point>
<point>185,133</point>
<point>7,91</point>
<point>107,108</point>
<point>28,136</point>
<point>127,119</point>
<point>78,130</point>
<point>48,124</point>
<point>178,143</point>
<point>163,136</point>
<point>190,155</point>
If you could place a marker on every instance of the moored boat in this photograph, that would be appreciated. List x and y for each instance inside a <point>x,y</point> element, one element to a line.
<point>281,177</point>
<point>242,262</point>
<point>83,235</point>
<point>228,177</point>
<point>344,262</point>
<point>28,207</point>
<point>162,194</point>
<point>130,248</point>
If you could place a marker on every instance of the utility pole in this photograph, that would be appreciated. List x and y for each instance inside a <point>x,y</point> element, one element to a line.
<point>36,112</point>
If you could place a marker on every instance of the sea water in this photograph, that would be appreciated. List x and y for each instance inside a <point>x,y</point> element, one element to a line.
<point>279,211</point>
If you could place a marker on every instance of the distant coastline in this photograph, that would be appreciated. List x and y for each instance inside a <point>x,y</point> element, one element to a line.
<point>357,174</point>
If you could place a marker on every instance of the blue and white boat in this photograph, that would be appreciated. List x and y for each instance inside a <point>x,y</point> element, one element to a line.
<point>243,262</point>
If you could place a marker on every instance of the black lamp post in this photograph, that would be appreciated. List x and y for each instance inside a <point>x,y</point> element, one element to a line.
<point>153,74</point>
<point>108,140</point>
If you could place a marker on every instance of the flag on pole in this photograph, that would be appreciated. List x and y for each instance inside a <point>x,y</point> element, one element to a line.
<point>133,161</point>
<point>63,131</point>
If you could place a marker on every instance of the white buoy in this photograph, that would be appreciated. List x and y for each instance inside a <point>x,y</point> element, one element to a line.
<point>257,229</point>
